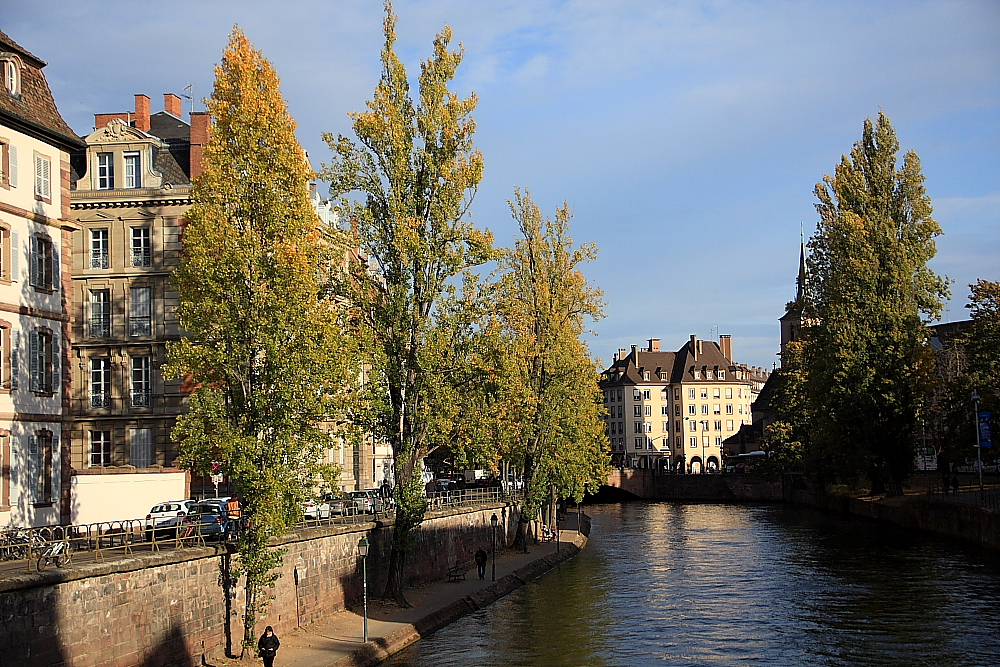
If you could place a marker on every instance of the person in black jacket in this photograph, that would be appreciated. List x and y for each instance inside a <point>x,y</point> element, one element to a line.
<point>481,562</point>
<point>268,646</point>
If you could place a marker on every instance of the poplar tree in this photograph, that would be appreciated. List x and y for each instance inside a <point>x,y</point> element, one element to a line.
<point>543,302</point>
<point>867,364</point>
<point>263,344</point>
<point>416,169</point>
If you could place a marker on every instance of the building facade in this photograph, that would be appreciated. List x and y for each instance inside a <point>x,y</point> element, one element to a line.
<point>131,189</point>
<point>672,410</point>
<point>35,251</point>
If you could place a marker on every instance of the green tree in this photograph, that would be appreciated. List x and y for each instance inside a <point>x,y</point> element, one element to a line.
<point>543,301</point>
<point>866,361</point>
<point>263,344</point>
<point>416,168</point>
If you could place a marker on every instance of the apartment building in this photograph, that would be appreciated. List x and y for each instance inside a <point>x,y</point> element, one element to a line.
<point>35,250</point>
<point>673,409</point>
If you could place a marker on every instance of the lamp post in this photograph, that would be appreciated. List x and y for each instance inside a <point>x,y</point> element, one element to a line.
<point>494,520</point>
<point>363,552</point>
<point>975,424</point>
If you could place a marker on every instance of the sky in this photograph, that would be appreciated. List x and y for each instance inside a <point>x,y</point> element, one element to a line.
<point>686,136</point>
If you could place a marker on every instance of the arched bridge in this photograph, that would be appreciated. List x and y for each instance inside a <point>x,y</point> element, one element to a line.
<point>652,484</point>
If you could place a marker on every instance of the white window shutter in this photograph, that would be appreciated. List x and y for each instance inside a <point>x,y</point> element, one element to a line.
<point>33,369</point>
<point>38,175</point>
<point>33,445</point>
<point>15,357</point>
<point>46,178</point>
<point>12,158</point>
<point>15,256</point>
<point>56,366</point>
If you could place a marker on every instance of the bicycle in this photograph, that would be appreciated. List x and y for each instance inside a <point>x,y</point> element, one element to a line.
<point>56,552</point>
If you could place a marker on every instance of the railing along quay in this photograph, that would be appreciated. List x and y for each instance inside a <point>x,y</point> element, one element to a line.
<point>37,548</point>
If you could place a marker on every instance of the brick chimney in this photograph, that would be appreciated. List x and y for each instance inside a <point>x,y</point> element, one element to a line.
<point>102,119</point>
<point>172,104</point>
<point>654,344</point>
<point>621,353</point>
<point>695,347</point>
<point>726,346</point>
<point>201,128</point>
<point>142,112</point>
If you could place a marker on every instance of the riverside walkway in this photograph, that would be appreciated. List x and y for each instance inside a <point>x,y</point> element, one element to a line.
<point>337,639</point>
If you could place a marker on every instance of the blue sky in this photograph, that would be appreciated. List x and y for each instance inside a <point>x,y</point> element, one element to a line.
<point>687,136</point>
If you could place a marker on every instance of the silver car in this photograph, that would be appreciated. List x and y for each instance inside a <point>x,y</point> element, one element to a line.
<point>168,514</point>
<point>367,501</point>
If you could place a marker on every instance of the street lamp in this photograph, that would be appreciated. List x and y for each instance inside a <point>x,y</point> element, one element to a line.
<point>363,552</point>
<point>975,424</point>
<point>494,520</point>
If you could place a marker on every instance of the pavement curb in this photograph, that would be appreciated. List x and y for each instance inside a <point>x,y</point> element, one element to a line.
<point>379,649</point>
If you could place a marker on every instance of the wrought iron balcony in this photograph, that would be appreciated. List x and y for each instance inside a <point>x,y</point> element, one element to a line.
<point>100,327</point>
<point>99,259</point>
<point>141,398</point>
<point>100,400</point>
<point>140,326</point>
<point>141,257</point>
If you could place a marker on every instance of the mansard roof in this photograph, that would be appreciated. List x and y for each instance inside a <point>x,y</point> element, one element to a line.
<point>33,111</point>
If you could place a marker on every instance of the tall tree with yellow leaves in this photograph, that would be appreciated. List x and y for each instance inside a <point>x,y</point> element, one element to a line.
<point>263,344</point>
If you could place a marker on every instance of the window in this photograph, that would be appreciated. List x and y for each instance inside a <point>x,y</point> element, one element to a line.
<point>141,381</point>
<point>636,395</point>
<point>638,427</point>
<point>645,376</point>
<point>708,375</point>
<point>41,263</point>
<point>12,77</point>
<point>692,425</point>
<point>729,408</point>
<point>606,397</point>
<point>677,410</point>
<point>4,470</point>
<point>741,409</point>
<point>705,440</point>
<point>680,441</point>
<point>105,171</point>
<point>649,410</point>
<point>43,178</point>
<point>663,378</point>
<point>100,448</point>
<point>704,424</point>
<point>677,425</point>
<point>692,409</point>
<point>638,443</point>
<point>99,249</point>
<point>621,411</point>
<point>722,375</point>
<point>704,392</point>
<point>41,360</point>
<point>100,313</point>
<point>100,383</point>
<point>718,442</point>
<point>716,392</point>
<point>8,160</point>
<point>691,392</point>
<point>665,410</point>
<point>636,410</point>
<point>666,427</point>
<point>693,441</point>
<point>739,392</point>
<point>619,394</point>
<point>729,392</point>
<point>718,424</point>
<point>716,409</point>
<point>133,176</point>
<point>40,453</point>
<point>645,394</point>
<point>140,321</point>
<point>697,375</point>
<point>729,424</point>
<point>142,447</point>
<point>649,427</point>
<point>704,408</point>
<point>663,394</point>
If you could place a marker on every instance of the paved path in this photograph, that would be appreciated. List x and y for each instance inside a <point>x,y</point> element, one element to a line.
<point>336,640</point>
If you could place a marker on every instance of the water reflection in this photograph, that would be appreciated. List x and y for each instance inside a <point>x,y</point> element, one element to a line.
<point>674,584</point>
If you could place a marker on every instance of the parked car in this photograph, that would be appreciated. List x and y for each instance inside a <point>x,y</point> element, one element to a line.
<point>338,504</point>
<point>212,517</point>
<point>367,501</point>
<point>316,509</point>
<point>167,515</point>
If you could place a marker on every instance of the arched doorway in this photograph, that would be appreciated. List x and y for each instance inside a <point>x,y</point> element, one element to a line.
<point>712,464</point>
<point>696,465</point>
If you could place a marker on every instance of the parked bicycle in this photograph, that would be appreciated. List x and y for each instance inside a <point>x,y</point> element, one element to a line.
<point>57,553</point>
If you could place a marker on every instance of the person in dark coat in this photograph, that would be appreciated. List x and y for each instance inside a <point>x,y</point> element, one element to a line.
<point>954,484</point>
<point>268,646</point>
<point>481,562</point>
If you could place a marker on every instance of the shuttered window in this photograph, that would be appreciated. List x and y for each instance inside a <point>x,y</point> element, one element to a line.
<point>43,177</point>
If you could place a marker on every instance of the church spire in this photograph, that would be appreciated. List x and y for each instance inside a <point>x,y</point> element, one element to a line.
<point>800,281</point>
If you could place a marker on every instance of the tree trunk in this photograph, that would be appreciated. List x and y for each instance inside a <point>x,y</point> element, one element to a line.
<point>229,591</point>
<point>394,582</point>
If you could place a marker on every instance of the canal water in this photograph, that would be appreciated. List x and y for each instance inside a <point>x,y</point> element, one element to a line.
<point>684,584</point>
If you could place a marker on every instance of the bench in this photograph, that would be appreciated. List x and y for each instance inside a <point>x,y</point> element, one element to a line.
<point>457,571</point>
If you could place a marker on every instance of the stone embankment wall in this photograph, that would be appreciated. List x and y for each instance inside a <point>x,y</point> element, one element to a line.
<point>651,484</point>
<point>170,608</point>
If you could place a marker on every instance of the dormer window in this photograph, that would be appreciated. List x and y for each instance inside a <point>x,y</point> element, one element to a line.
<point>645,376</point>
<point>722,375</point>
<point>133,177</point>
<point>105,171</point>
<point>12,77</point>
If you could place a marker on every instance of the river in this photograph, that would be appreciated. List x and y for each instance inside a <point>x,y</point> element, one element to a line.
<point>704,584</point>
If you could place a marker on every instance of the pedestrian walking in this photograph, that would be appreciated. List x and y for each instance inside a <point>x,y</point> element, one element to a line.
<point>481,558</point>
<point>954,484</point>
<point>268,645</point>
<point>234,513</point>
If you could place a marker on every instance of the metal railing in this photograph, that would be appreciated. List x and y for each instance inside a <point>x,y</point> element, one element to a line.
<point>141,257</point>
<point>100,399</point>
<point>100,326</point>
<point>140,326</point>
<point>141,398</point>
<point>967,493</point>
<point>99,259</point>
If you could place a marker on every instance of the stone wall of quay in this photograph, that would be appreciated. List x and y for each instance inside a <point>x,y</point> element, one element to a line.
<point>169,608</point>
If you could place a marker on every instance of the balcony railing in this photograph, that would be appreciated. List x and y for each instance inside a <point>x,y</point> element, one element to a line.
<point>100,400</point>
<point>99,259</point>
<point>100,327</point>
<point>141,398</point>
<point>141,257</point>
<point>140,326</point>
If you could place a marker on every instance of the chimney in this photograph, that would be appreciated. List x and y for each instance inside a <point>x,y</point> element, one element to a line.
<point>726,345</point>
<point>634,353</point>
<point>142,112</point>
<point>172,104</point>
<point>654,344</point>
<point>102,119</point>
<point>621,353</point>
<point>695,346</point>
<point>200,131</point>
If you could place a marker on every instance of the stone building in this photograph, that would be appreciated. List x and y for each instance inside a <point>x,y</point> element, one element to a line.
<point>674,409</point>
<point>131,188</point>
<point>35,250</point>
